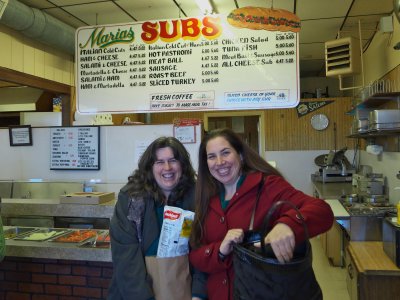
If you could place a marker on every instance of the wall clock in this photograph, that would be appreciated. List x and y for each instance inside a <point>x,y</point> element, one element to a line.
<point>319,121</point>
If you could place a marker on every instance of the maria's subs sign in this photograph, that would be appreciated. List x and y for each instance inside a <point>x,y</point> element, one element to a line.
<point>203,63</point>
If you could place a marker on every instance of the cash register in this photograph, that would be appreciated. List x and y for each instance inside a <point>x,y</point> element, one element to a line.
<point>336,168</point>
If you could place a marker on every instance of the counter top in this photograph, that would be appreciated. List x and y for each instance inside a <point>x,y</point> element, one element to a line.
<point>333,190</point>
<point>369,257</point>
<point>53,208</point>
<point>55,250</point>
<point>338,210</point>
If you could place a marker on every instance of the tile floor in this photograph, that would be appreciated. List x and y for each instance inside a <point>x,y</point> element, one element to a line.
<point>331,279</point>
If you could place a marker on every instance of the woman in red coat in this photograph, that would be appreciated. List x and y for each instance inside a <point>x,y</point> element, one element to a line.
<point>229,174</point>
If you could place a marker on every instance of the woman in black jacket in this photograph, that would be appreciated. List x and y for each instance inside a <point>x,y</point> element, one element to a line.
<point>164,176</point>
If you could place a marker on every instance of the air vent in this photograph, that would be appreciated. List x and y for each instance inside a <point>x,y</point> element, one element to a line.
<point>342,57</point>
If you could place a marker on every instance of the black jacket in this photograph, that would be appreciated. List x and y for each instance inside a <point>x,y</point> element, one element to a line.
<point>130,279</point>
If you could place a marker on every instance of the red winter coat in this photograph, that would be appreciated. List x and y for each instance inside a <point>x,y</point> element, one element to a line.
<point>317,214</point>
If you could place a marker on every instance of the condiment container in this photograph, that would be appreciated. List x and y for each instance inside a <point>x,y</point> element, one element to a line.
<point>398,213</point>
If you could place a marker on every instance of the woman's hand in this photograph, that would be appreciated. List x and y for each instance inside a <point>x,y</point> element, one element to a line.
<point>282,241</point>
<point>233,236</point>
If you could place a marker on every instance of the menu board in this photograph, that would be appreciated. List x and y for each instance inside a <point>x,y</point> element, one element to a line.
<point>75,148</point>
<point>201,63</point>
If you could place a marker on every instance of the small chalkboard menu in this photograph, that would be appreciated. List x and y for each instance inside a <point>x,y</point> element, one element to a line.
<point>75,148</point>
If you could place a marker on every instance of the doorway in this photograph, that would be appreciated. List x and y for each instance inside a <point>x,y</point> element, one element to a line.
<point>248,125</point>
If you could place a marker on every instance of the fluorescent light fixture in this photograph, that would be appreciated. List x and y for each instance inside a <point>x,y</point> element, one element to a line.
<point>205,6</point>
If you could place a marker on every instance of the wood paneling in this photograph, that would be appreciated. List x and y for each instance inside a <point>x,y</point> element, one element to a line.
<point>286,131</point>
<point>167,118</point>
<point>22,54</point>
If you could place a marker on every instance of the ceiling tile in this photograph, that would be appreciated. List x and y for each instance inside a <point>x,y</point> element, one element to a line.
<point>321,19</point>
<point>99,13</point>
<point>321,9</point>
<point>75,2</point>
<point>284,4</point>
<point>65,17</point>
<point>37,3</point>
<point>368,7</point>
<point>225,6</point>
<point>151,9</point>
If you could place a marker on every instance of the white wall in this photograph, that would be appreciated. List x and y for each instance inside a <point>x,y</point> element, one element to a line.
<point>297,166</point>
<point>120,147</point>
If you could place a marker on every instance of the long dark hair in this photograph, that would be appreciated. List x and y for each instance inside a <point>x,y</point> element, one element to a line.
<point>142,181</point>
<point>207,186</point>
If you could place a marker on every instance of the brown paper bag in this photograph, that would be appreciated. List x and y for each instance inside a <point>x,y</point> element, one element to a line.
<point>171,277</point>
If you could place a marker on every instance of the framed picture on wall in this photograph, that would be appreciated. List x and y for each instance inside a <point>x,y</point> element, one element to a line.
<point>20,135</point>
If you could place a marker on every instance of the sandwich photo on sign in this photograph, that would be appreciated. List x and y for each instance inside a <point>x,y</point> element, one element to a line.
<point>262,18</point>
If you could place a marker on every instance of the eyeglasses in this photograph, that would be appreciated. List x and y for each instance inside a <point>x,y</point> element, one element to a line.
<point>171,162</point>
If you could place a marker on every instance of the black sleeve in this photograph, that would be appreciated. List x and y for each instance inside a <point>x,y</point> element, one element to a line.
<point>130,280</point>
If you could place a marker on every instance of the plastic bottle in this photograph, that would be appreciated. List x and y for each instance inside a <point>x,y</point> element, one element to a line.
<point>87,187</point>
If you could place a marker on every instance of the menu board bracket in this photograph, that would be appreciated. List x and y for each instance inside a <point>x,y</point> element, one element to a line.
<point>75,148</point>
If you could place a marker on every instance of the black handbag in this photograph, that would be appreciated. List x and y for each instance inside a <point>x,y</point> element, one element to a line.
<point>258,273</point>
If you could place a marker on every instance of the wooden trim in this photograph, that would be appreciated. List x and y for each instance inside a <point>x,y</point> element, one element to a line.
<point>34,81</point>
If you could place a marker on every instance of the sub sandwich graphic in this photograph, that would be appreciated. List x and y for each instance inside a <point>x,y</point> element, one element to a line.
<point>261,18</point>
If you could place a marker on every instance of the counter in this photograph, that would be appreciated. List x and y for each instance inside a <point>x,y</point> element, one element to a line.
<point>332,190</point>
<point>339,212</point>
<point>44,269</point>
<point>334,241</point>
<point>54,250</point>
<point>53,208</point>
<point>370,272</point>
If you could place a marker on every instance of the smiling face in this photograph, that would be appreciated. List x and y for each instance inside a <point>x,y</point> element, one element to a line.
<point>166,170</point>
<point>223,161</point>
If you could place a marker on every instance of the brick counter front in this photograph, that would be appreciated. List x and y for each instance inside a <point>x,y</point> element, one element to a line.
<point>53,279</point>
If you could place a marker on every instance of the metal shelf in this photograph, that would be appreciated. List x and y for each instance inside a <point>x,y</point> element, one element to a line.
<point>375,100</point>
<point>372,134</point>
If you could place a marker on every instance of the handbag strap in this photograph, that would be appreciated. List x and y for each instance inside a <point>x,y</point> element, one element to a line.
<point>264,228</point>
<point>260,185</point>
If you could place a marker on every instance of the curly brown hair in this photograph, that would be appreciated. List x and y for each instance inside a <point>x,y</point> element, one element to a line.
<point>142,182</point>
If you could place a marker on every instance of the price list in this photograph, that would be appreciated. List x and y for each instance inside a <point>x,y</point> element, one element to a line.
<point>210,57</point>
<point>285,48</point>
<point>176,73</point>
<point>137,66</point>
<point>74,148</point>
